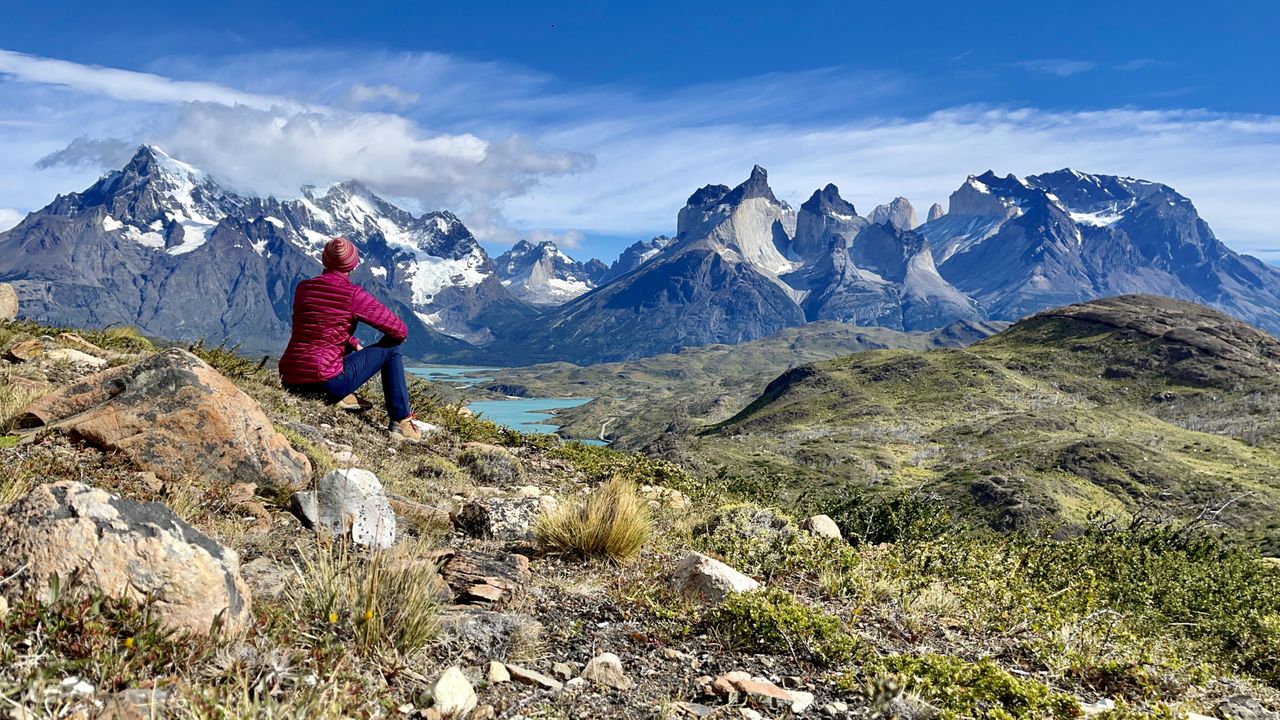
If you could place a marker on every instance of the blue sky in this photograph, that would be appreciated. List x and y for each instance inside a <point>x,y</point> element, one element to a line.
<point>591,122</point>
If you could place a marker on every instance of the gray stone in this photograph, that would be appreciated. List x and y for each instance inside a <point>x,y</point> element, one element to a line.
<point>499,518</point>
<point>452,694</point>
<point>822,526</point>
<point>266,577</point>
<point>8,302</point>
<point>1243,707</point>
<point>565,670</point>
<point>698,574</point>
<point>525,676</point>
<point>75,533</point>
<point>349,502</point>
<point>606,669</point>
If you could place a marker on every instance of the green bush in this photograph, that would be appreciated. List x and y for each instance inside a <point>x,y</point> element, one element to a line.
<point>601,463</point>
<point>772,620</point>
<point>492,466</point>
<point>111,642</point>
<point>866,518</point>
<point>765,544</point>
<point>962,689</point>
<point>126,339</point>
<point>1123,594</point>
<point>228,361</point>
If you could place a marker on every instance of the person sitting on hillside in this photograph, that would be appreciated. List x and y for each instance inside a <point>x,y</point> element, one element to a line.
<point>324,359</point>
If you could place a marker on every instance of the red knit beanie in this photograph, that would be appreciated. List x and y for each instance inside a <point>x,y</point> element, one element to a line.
<point>340,255</point>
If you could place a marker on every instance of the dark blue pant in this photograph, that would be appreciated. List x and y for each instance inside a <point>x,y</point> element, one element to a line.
<point>358,367</point>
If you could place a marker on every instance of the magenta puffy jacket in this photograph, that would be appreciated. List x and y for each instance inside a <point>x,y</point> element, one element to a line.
<point>325,312</point>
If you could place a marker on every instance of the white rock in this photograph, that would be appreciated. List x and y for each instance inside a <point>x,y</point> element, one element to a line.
<point>350,501</point>
<point>77,358</point>
<point>1095,708</point>
<point>822,526</point>
<point>606,669</point>
<point>8,302</point>
<point>425,428</point>
<point>453,695</point>
<point>800,701</point>
<point>345,457</point>
<point>698,574</point>
<point>496,672</point>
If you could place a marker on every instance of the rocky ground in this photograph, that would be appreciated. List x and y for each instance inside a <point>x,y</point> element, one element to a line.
<point>180,538</point>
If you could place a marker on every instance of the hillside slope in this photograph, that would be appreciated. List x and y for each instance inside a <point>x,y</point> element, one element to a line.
<point>1115,405</point>
<point>477,611</point>
<point>638,401</point>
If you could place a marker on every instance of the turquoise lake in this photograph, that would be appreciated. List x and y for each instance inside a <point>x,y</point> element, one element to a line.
<point>526,415</point>
<point>460,376</point>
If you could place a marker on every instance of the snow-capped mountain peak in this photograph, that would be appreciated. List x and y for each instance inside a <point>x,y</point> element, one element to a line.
<point>543,274</point>
<point>158,205</point>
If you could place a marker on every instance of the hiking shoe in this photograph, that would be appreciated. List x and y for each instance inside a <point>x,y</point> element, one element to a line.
<point>406,429</point>
<point>353,403</point>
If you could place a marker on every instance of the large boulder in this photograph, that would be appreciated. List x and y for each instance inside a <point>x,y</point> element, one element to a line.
<point>699,575</point>
<point>91,538</point>
<point>174,415</point>
<point>500,518</point>
<point>8,302</point>
<point>351,503</point>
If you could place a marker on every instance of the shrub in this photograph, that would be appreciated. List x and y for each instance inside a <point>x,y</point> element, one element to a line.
<point>772,620</point>
<point>601,463</point>
<point>1142,592</point>
<point>111,642</point>
<point>228,360</point>
<point>382,600</point>
<point>762,543</point>
<point>904,516</point>
<point>492,466</point>
<point>962,689</point>
<point>121,339</point>
<point>610,523</point>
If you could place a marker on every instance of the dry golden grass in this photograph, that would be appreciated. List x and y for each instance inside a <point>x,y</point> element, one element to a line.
<point>611,523</point>
<point>13,398</point>
<point>386,600</point>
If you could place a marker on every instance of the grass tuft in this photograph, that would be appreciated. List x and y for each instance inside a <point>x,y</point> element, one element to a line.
<point>379,601</point>
<point>611,523</point>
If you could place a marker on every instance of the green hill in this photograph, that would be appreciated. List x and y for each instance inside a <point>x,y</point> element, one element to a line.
<point>639,400</point>
<point>1119,405</point>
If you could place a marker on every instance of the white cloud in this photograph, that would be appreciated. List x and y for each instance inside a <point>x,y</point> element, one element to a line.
<point>125,85</point>
<point>567,240</point>
<point>645,170</point>
<point>9,217</point>
<point>361,94</point>
<point>512,150</point>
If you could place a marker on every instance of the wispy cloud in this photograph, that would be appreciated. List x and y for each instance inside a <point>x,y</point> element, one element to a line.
<point>125,85</point>
<point>1057,66</point>
<point>360,95</point>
